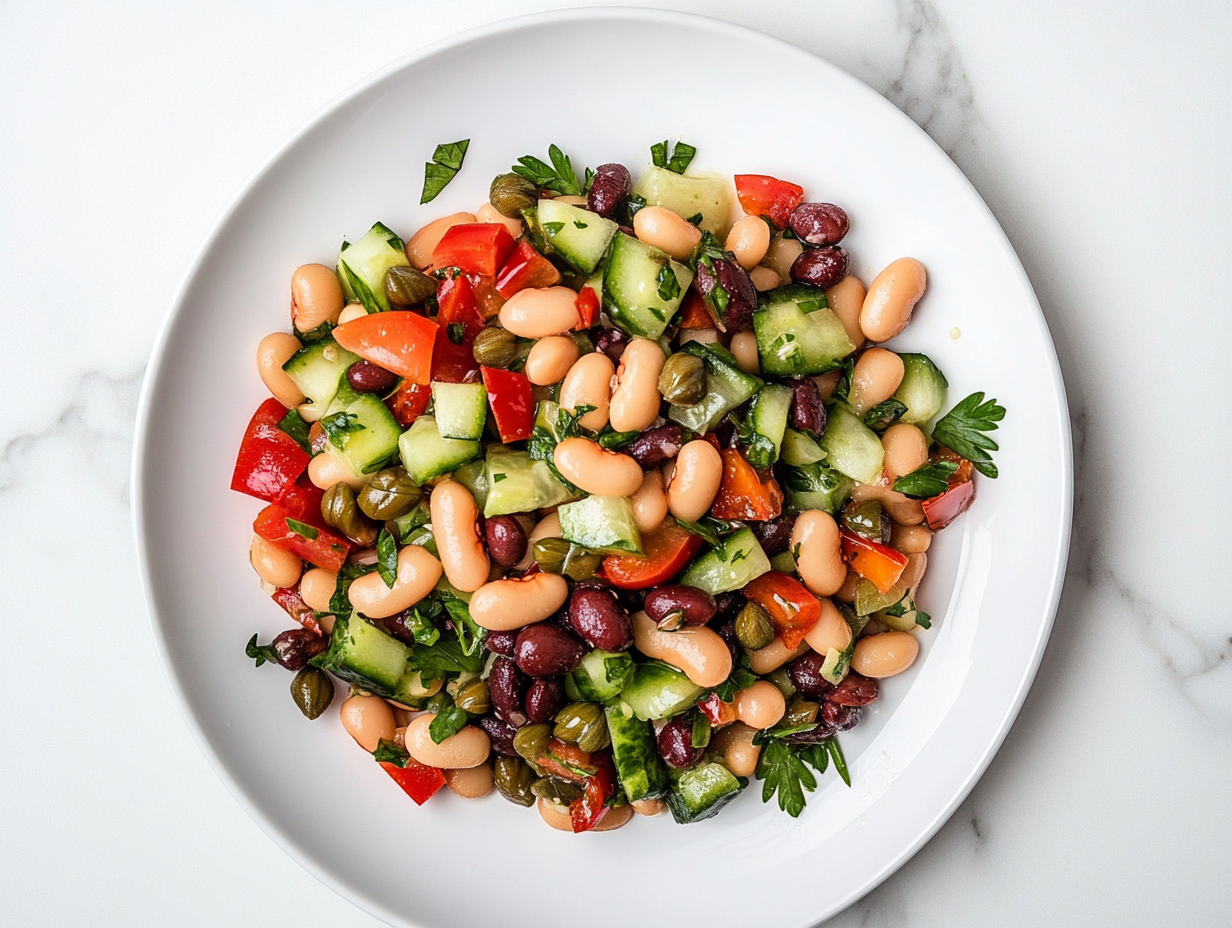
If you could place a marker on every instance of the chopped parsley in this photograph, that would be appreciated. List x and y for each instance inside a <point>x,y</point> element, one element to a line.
<point>387,558</point>
<point>557,176</point>
<point>927,481</point>
<point>678,159</point>
<point>962,431</point>
<point>444,166</point>
<point>302,529</point>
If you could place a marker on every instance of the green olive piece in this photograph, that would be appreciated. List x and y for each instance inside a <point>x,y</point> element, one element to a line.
<point>531,741</point>
<point>511,193</point>
<point>800,712</point>
<point>683,379</point>
<point>554,789</point>
<point>868,519</point>
<point>388,494</point>
<point>583,724</point>
<point>473,698</point>
<point>754,630</point>
<point>313,691</point>
<point>514,779</point>
<point>340,511</point>
<point>406,286</point>
<point>495,347</point>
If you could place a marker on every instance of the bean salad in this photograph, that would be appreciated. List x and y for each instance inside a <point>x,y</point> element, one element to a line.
<point>607,496</point>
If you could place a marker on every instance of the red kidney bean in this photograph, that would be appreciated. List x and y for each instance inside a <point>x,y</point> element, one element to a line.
<point>545,650</point>
<point>775,535</point>
<point>805,674</point>
<point>855,690</point>
<point>506,685</point>
<point>501,734</point>
<point>822,267</point>
<point>843,718</point>
<point>612,342</point>
<point>597,615</point>
<point>399,627</point>
<point>297,646</point>
<point>727,631</point>
<point>819,223</point>
<point>609,189</point>
<point>696,607</point>
<point>741,294</point>
<point>808,413</point>
<point>654,446</point>
<point>816,735</point>
<point>366,377</point>
<point>544,699</point>
<point>506,540</point>
<point>675,743</point>
<point>502,642</point>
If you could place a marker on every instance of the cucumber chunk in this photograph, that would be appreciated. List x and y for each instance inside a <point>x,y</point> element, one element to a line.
<point>689,196</point>
<point>816,486</point>
<point>727,386</point>
<point>474,476</point>
<point>603,524</point>
<point>362,654</point>
<point>791,339</point>
<point>739,560</point>
<point>701,792</point>
<point>641,771</point>
<point>851,447</point>
<point>800,449</point>
<point>922,390</point>
<point>318,369</point>
<point>425,454</point>
<point>658,691</point>
<point>768,416</point>
<point>577,235</point>
<point>364,434</point>
<point>460,409</point>
<point>643,287</point>
<point>602,675</point>
<point>362,266</point>
<point>518,484</point>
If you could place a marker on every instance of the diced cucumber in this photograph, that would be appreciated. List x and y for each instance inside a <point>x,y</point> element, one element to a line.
<point>604,524</point>
<point>658,691</point>
<point>922,390</point>
<point>793,341</point>
<point>404,525</point>
<point>730,566</point>
<point>362,266</point>
<point>727,386</point>
<point>425,454</point>
<point>834,668</point>
<point>816,486</point>
<point>364,434</point>
<point>577,235</point>
<point>474,476</point>
<point>642,773</point>
<point>317,370</point>
<point>768,416</point>
<point>602,675</point>
<point>643,287</point>
<point>460,409</point>
<point>807,297</point>
<point>518,484</point>
<point>800,449</point>
<point>689,196</point>
<point>783,562</point>
<point>362,654</point>
<point>851,447</point>
<point>410,691</point>
<point>701,792</point>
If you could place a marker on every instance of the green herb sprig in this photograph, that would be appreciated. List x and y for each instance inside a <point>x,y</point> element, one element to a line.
<point>444,166</point>
<point>558,176</point>
<point>962,431</point>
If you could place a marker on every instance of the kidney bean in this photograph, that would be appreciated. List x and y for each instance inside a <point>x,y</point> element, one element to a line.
<point>727,606</point>
<point>855,690</point>
<point>822,267</point>
<point>741,294</point>
<point>823,731</point>
<point>609,189</point>
<point>545,650</point>
<point>544,699</point>
<point>775,535</point>
<point>819,223</point>
<point>506,686</point>
<point>727,631</point>
<point>397,625</point>
<point>597,615</point>
<point>366,377</point>
<point>296,646</point>
<point>500,733</point>
<point>654,446</point>
<point>808,413</point>
<point>696,607</point>
<point>843,718</point>
<point>506,540</point>
<point>675,743</point>
<point>805,674</point>
<point>612,342</point>
<point>502,642</point>
<point>632,600</point>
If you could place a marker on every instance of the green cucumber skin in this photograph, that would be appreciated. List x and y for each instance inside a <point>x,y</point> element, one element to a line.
<point>630,286</point>
<point>592,678</point>
<point>922,390</point>
<point>603,524</point>
<point>851,447</point>
<point>362,654</point>
<point>659,692</point>
<point>425,454</point>
<point>641,770</point>
<point>368,449</point>
<point>701,792</point>
<point>362,266</point>
<point>740,561</point>
<point>727,386</point>
<point>768,414</point>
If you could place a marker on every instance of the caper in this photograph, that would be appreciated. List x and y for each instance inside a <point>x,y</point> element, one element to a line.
<point>554,789</point>
<point>512,193</point>
<point>583,724</point>
<point>557,556</point>
<point>389,494</point>
<point>754,630</point>
<point>868,519</point>
<point>801,711</point>
<point>514,778</point>
<point>531,741</point>
<point>782,679</point>
<point>340,511</point>
<point>312,690</point>
<point>683,379</point>
<point>495,347</point>
<point>405,286</point>
<point>473,698</point>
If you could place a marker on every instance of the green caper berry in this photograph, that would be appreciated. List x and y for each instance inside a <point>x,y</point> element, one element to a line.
<point>754,630</point>
<point>557,556</point>
<point>583,724</point>
<point>473,698</point>
<point>801,712</point>
<point>514,778</point>
<point>511,193</point>
<point>340,511</point>
<point>495,347</point>
<point>406,286</point>
<point>531,741</point>
<point>554,789</point>
<point>683,379</point>
<point>868,519</point>
<point>313,691</point>
<point>388,494</point>
<point>550,554</point>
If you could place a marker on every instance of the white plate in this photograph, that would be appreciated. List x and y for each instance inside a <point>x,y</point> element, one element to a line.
<point>604,85</point>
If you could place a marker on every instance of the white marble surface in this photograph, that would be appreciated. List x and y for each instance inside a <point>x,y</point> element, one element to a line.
<point>1099,134</point>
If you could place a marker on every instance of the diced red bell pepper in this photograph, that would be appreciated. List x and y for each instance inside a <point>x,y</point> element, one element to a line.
<point>296,533</point>
<point>743,494</point>
<point>525,268</point>
<point>587,307</point>
<point>295,607</point>
<point>695,311</point>
<point>668,549</point>
<point>486,295</point>
<point>792,609</point>
<point>585,811</point>
<point>513,406</point>
<point>763,195</point>
<point>718,711</point>
<point>409,402</point>
<point>460,322</point>
<point>877,563</point>
<point>269,458</point>
<point>941,510</point>
<point>302,501</point>
<point>567,761</point>
<point>400,341</point>
<point>475,247</point>
<point>419,781</point>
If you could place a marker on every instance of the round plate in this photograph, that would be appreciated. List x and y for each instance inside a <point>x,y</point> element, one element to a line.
<point>604,85</point>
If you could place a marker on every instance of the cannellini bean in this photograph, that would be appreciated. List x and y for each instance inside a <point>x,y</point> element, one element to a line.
<point>588,465</point>
<point>875,378</point>
<point>891,298</point>
<point>764,278</point>
<point>695,480</point>
<point>418,572</point>
<point>820,558</point>
<point>555,814</point>
<point>540,312</point>
<point>470,782</point>
<point>489,213</point>
<point>744,348</point>
<point>760,705</point>
<point>906,449</point>
<point>273,352</point>
<point>550,359</point>
<point>884,655</point>
<point>316,296</point>
<point>735,745</point>
<point>588,383</point>
<point>316,588</point>
<point>909,539</point>
<point>695,650</point>
<point>455,526</point>
<point>636,399</point>
<point>831,630</point>
<point>468,748</point>
<point>547,527</point>
<point>615,817</point>
<point>773,656</point>
<point>707,336</point>
<point>649,502</point>
<point>503,605</point>
<point>352,311</point>
<point>749,240</point>
<point>782,255</point>
<point>846,299</point>
<point>663,229</point>
<point>648,806</point>
<point>274,565</point>
<point>325,470</point>
<point>368,719</point>
<point>421,245</point>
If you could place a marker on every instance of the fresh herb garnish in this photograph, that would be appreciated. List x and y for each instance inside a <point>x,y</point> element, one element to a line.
<point>784,768</point>
<point>448,722</point>
<point>339,604</point>
<point>669,286</point>
<point>497,478</point>
<point>421,627</point>
<point>695,219</point>
<point>701,731</point>
<point>339,427</point>
<point>884,415</point>
<point>758,448</point>
<point>707,528</point>
<point>295,426</point>
<point>551,228</point>
<point>444,658</point>
<point>634,203</point>
<point>614,441</point>
<point>302,529</point>
<point>470,635</point>
<point>557,176</point>
<point>741,679</point>
<point>962,431</point>
<point>840,762</point>
<point>456,332</point>
<point>843,388</point>
<point>927,481</point>
<point>578,224</point>
<point>681,155</point>
<point>444,166</point>
<point>387,558</point>
<point>261,653</point>
<point>390,752</point>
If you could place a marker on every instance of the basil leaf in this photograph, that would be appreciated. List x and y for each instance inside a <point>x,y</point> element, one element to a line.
<point>295,426</point>
<point>448,722</point>
<point>302,529</point>
<point>444,166</point>
<point>387,558</point>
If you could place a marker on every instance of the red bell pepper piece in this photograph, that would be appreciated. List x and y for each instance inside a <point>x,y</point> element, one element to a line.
<point>792,609</point>
<point>296,608</point>
<point>695,312</point>
<point>567,761</point>
<point>460,322</point>
<point>875,562</point>
<point>294,531</point>
<point>486,295</point>
<point>417,780</point>
<point>525,268</point>
<point>400,341</point>
<point>668,549</point>
<point>587,307</point>
<point>302,501</point>
<point>476,247</point>
<point>409,402</point>
<point>763,195</point>
<point>718,711</point>
<point>943,509</point>
<point>743,494</point>
<point>269,458</point>
<point>512,404</point>
<point>586,811</point>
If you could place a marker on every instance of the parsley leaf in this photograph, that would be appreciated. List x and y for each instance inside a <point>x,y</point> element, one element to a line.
<point>302,529</point>
<point>390,752</point>
<point>448,722</point>
<point>759,448</point>
<point>387,558</point>
<point>840,762</point>
<point>295,426</point>
<point>339,604</point>
<point>884,415</point>
<point>695,219</point>
<point>261,653</point>
<point>444,658</point>
<point>470,635</point>
<point>445,164</point>
<point>668,285</point>
<point>614,441</point>
<point>707,528</point>
<point>783,772</point>
<point>339,427</point>
<point>557,176</point>
<point>679,159</point>
<point>740,679</point>
<point>843,388</point>
<point>634,203</point>
<point>962,431</point>
<point>927,481</point>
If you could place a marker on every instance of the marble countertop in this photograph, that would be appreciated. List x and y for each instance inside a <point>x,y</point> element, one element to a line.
<point>1098,133</point>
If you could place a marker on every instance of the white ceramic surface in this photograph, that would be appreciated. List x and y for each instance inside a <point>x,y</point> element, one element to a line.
<point>913,760</point>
